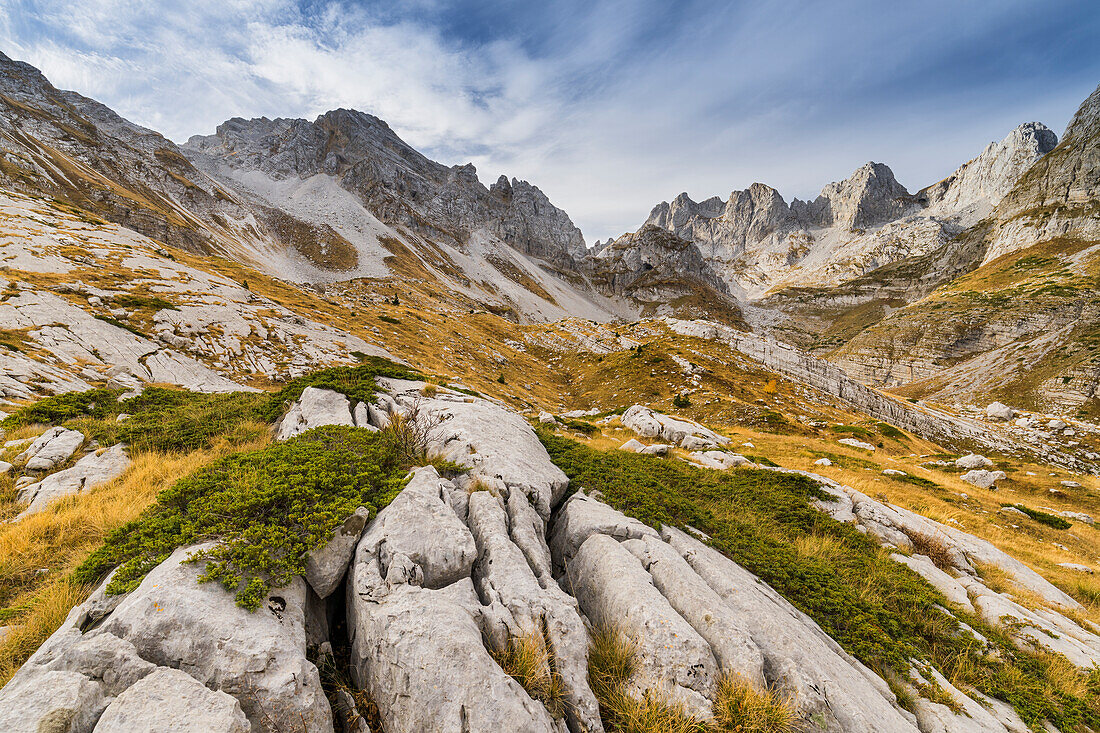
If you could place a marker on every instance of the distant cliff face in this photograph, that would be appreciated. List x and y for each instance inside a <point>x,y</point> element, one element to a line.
<point>395,182</point>
<point>757,242</point>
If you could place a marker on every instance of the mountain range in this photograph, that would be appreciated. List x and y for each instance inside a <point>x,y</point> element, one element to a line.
<point>759,465</point>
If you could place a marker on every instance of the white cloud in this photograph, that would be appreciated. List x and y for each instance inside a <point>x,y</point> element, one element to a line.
<point>609,105</point>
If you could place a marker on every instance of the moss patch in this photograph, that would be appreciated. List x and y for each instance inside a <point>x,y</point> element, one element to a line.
<point>267,508</point>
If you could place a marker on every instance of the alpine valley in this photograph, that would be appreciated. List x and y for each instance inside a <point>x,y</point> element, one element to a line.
<point>304,431</point>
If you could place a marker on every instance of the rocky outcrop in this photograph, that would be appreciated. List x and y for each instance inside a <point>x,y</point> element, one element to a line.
<point>52,447</point>
<point>651,266</point>
<point>94,469</point>
<point>172,701</point>
<point>235,659</point>
<point>686,434</point>
<point>395,182</point>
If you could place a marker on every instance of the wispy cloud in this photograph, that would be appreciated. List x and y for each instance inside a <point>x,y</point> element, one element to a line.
<point>609,106</point>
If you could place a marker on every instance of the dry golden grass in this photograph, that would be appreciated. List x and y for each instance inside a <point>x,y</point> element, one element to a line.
<point>529,659</point>
<point>38,553</point>
<point>738,706</point>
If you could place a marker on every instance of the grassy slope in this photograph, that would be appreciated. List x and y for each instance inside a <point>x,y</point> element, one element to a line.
<point>876,608</point>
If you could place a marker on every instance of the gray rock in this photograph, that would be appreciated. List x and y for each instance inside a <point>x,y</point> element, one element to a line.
<point>615,591</point>
<point>90,471</point>
<point>832,688</point>
<point>685,433</point>
<point>823,462</point>
<point>496,443</point>
<point>581,517</point>
<point>4,467</point>
<point>257,657</point>
<point>171,701</point>
<point>633,445</point>
<point>657,449</point>
<point>54,446</point>
<point>973,460</point>
<point>983,479</point>
<point>728,637</point>
<point>67,702</point>
<point>419,536</point>
<point>854,443</point>
<point>316,407</point>
<point>1079,516</point>
<point>326,565</point>
<point>503,575</point>
<point>1076,566</point>
<point>938,579</point>
<point>418,650</point>
<point>999,411</point>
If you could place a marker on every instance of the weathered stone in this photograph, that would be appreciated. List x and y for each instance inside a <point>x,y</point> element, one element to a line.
<point>54,446</point>
<point>853,443</point>
<point>615,592</point>
<point>503,575</point>
<point>171,701</point>
<point>973,460</point>
<point>937,578</point>
<point>90,471</point>
<point>983,479</point>
<point>999,411</point>
<point>326,565</point>
<point>699,605</point>
<point>633,445</point>
<point>832,688</point>
<point>316,407</point>
<point>581,517</point>
<point>685,433</point>
<point>257,657</point>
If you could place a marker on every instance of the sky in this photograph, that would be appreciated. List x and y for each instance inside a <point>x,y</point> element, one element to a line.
<point>609,106</point>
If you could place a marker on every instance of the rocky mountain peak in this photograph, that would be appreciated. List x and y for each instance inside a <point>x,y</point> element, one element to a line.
<point>976,186</point>
<point>1085,124</point>
<point>871,195</point>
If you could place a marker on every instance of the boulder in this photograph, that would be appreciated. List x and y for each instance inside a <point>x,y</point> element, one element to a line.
<point>545,418</point>
<point>657,449</point>
<point>853,443</point>
<point>633,445</point>
<point>1013,511</point>
<point>326,565</point>
<point>53,447</point>
<point>1057,424</point>
<point>999,411</point>
<point>1080,517</point>
<point>257,657</point>
<point>973,460</point>
<point>823,462</point>
<point>90,471</point>
<point>982,478</point>
<point>316,407</point>
<point>1076,566</point>
<point>684,433</point>
<point>893,472</point>
<point>4,467</point>
<point>171,701</point>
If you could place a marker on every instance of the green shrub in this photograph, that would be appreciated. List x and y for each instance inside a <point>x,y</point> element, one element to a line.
<point>268,508</point>
<point>887,430</point>
<point>389,319</point>
<point>96,403</point>
<point>357,383</point>
<point>1050,520</point>
<point>681,401</point>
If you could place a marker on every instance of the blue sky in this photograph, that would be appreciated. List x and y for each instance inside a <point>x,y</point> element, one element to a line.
<point>608,106</point>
